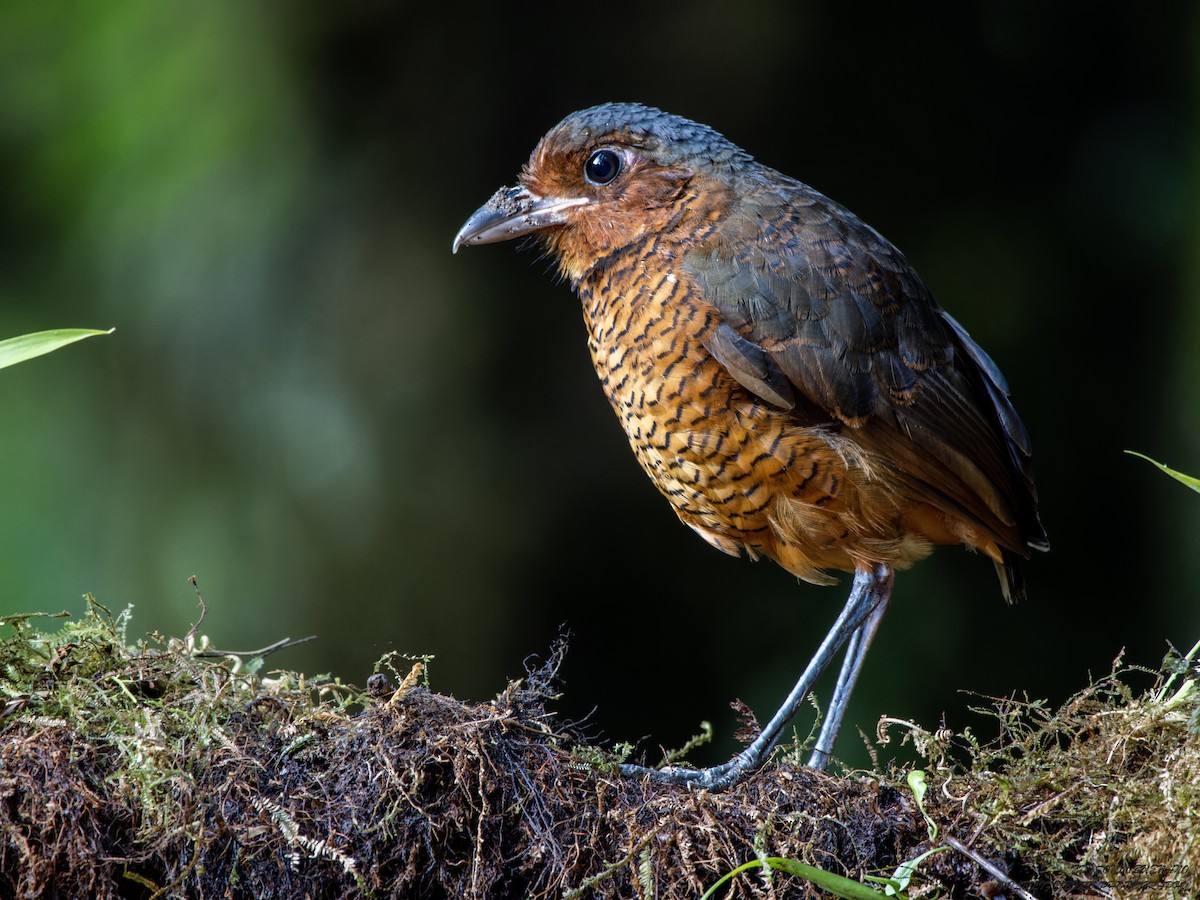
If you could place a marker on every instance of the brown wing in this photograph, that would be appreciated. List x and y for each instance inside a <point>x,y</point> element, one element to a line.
<point>814,298</point>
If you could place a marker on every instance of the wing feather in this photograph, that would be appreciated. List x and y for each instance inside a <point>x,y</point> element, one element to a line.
<point>807,291</point>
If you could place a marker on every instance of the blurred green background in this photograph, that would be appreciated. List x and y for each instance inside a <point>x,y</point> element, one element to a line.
<point>341,429</point>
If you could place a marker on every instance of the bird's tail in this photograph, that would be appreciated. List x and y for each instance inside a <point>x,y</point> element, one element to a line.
<point>1012,575</point>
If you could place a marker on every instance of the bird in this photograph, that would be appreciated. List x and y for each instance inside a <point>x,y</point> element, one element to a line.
<point>783,374</point>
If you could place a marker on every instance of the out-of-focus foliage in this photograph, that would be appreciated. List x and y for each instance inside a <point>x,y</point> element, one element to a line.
<point>341,429</point>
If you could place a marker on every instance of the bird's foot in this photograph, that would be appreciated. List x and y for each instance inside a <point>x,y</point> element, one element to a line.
<point>714,778</point>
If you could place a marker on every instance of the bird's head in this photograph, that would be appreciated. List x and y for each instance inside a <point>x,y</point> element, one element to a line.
<point>608,177</point>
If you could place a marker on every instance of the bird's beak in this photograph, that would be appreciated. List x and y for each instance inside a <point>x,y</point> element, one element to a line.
<point>511,213</point>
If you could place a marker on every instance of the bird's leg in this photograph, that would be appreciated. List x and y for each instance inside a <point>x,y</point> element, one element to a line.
<point>856,652</point>
<point>870,590</point>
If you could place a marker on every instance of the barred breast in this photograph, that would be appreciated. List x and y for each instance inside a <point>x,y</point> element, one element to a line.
<point>744,475</point>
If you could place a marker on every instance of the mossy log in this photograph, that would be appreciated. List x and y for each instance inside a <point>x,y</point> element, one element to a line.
<point>162,768</point>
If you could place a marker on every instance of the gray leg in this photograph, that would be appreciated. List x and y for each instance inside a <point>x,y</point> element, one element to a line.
<point>870,590</point>
<point>856,652</point>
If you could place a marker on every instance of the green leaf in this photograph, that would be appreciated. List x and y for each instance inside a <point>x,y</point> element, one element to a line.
<point>904,873</point>
<point>27,346</point>
<point>1193,483</point>
<point>916,782</point>
<point>839,886</point>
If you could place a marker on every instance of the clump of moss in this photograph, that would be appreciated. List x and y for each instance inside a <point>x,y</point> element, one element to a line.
<point>112,754</point>
<point>163,768</point>
<point>1100,797</point>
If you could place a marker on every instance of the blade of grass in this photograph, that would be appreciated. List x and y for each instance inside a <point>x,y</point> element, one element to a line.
<point>1193,483</point>
<point>27,346</point>
<point>839,886</point>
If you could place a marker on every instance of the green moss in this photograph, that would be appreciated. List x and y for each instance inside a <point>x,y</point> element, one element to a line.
<point>164,767</point>
<point>1100,793</point>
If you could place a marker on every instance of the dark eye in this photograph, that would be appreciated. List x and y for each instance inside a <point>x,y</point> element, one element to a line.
<point>602,167</point>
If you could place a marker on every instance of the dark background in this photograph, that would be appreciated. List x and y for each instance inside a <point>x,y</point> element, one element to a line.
<point>343,430</point>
